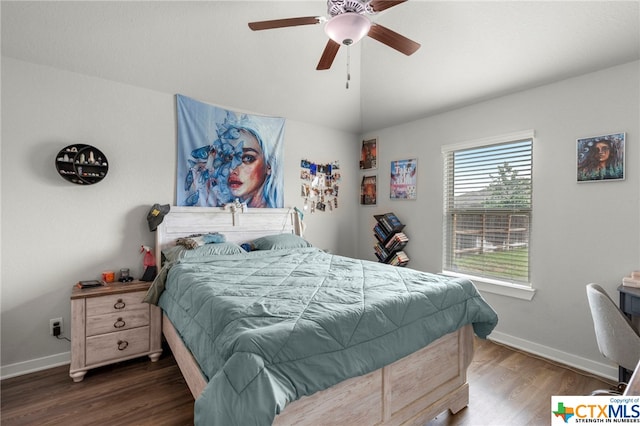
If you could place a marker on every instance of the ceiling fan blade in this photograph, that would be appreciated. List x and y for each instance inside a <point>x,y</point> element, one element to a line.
<point>380,5</point>
<point>393,39</point>
<point>281,23</point>
<point>329,54</point>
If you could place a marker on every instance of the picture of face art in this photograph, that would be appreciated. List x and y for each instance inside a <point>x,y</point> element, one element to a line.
<point>225,157</point>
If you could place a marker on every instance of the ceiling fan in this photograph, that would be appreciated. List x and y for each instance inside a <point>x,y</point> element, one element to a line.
<point>347,25</point>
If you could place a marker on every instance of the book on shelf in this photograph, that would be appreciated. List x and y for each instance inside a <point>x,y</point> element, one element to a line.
<point>380,233</point>
<point>390,222</point>
<point>397,247</point>
<point>381,252</point>
<point>380,257</point>
<point>633,280</point>
<point>393,221</point>
<point>399,258</point>
<point>397,241</point>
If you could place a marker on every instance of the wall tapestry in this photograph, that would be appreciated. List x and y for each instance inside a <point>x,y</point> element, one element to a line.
<point>369,190</point>
<point>369,154</point>
<point>224,156</point>
<point>320,185</point>
<point>404,175</point>
<point>601,158</point>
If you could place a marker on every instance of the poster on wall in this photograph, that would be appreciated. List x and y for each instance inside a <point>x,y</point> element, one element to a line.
<point>226,156</point>
<point>601,158</point>
<point>404,175</point>
<point>369,154</point>
<point>368,190</point>
<point>320,185</point>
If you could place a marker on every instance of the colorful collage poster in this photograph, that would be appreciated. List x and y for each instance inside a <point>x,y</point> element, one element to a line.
<point>320,185</point>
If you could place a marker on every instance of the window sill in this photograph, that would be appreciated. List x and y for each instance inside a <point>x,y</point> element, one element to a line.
<point>502,288</point>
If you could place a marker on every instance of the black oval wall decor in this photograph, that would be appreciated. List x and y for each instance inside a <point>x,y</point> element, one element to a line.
<point>82,164</point>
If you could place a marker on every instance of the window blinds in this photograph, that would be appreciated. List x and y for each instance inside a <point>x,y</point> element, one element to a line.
<point>487,208</point>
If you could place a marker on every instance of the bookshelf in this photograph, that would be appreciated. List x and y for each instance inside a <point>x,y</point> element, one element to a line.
<point>390,240</point>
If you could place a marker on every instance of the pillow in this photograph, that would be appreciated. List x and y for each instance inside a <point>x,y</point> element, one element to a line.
<point>197,240</point>
<point>279,242</point>
<point>215,237</point>
<point>172,254</point>
<point>190,243</point>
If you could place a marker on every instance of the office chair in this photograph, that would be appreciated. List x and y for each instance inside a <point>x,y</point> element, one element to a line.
<point>617,340</point>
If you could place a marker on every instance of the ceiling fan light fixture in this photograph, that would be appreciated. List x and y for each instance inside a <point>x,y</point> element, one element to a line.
<point>347,28</point>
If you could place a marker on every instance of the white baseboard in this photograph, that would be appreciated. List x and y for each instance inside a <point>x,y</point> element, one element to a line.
<point>606,371</point>
<point>33,365</point>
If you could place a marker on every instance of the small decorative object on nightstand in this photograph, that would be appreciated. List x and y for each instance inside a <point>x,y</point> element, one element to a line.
<point>111,324</point>
<point>149,263</point>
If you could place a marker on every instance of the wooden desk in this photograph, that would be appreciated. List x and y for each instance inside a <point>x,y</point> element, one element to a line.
<point>629,300</point>
<point>630,305</point>
<point>633,387</point>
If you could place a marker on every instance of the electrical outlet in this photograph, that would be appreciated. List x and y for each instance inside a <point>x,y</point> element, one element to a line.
<point>55,326</point>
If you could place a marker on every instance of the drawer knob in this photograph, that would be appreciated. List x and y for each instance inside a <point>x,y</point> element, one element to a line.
<point>119,304</point>
<point>119,323</point>
<point>122,345</point>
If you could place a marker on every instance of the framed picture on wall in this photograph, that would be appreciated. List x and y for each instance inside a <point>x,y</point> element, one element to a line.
<point>404,176</point>
<point>369,190</point>
<point>601,158</point>
<point>369,154</point>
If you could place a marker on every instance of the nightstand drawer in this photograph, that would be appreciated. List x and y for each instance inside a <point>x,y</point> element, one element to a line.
<point>109,323</point>
<point>116,303</point>
<point>116,345</point>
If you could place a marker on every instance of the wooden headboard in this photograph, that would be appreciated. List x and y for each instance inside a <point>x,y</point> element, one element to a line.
<point>237,226</point>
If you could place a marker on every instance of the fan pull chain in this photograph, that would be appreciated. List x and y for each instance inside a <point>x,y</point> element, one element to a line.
<point>348,64</point>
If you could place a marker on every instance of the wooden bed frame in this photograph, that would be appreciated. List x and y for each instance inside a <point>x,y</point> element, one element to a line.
<point>410,391</point>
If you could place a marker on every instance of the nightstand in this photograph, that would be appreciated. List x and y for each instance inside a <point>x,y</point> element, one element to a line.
<point>111,324</point>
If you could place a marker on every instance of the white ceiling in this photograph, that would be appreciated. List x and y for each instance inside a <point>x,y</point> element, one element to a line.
<point>471,51</point>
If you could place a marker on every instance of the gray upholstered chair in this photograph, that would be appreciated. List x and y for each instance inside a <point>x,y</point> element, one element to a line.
<point>617,340</point>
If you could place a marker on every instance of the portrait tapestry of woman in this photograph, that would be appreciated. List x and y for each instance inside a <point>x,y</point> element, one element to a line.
<point>224,157</point>
<point>601,158</point>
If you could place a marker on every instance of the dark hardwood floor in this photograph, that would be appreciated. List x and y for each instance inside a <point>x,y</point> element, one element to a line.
<point>508,387</point>
<point>135,392</point>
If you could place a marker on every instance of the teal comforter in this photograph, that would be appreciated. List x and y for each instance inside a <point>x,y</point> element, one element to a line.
<point>268,327</point>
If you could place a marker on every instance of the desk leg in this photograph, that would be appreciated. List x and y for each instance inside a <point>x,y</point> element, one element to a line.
<point>624,375</point>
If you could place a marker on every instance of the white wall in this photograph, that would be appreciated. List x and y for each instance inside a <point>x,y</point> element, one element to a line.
<point>55,233</point>
<point>581,233</point>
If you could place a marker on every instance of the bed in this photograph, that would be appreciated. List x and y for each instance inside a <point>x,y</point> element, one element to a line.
<point>325,379</point>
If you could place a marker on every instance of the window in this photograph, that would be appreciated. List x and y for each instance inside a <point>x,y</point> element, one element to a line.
<point>487,209</point>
